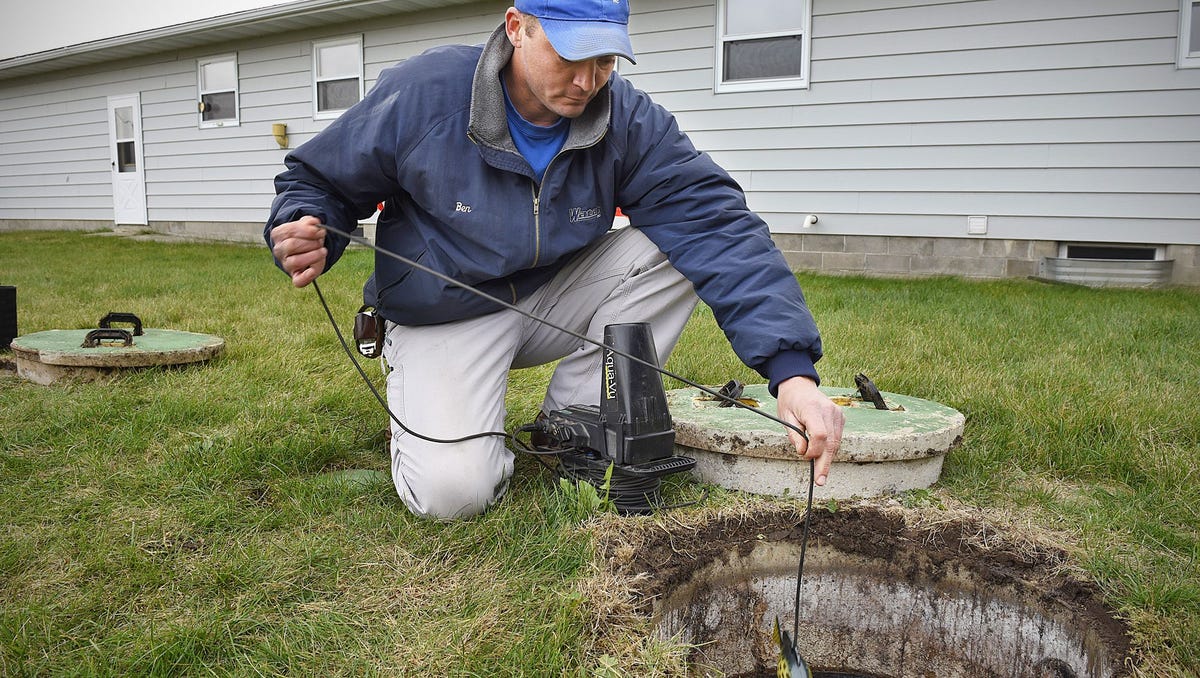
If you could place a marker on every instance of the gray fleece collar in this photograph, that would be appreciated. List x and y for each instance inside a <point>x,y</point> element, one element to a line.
<point>488,123</point>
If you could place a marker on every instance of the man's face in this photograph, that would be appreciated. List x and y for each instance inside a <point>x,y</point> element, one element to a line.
<point>543,85</point>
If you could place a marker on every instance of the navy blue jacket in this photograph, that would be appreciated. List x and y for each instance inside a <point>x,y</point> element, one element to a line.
<point>431,141</point>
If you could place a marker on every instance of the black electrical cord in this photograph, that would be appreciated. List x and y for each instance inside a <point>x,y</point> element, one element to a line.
<point>646,489</point>
<point>812,481</point>
<point>383,403</point>
<point>633,481</point>
<point>584,338</point>
<point>629,493</point>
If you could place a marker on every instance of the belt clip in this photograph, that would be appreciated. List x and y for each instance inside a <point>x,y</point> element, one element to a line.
<point>368,332</point>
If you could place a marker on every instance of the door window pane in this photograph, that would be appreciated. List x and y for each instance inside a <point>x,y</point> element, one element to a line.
<point>126,156</point>
<point>123,116</point>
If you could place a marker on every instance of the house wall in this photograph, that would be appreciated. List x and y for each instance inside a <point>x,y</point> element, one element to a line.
<point>1062,121</point>
<point>1059,121</point>
<point>215,182</point>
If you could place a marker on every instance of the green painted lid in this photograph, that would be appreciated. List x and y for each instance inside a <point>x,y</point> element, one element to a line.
<point>153,347</point>
<point>911,428</point>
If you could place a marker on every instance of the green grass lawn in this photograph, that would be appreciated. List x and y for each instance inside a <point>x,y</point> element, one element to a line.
<point>184,520</point>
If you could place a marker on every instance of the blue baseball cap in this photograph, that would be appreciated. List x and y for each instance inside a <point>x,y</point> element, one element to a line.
<point>583,29</point>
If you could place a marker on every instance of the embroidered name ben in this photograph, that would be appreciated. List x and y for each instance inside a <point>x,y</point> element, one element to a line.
<point>581,214</point>
<point>459,207</point>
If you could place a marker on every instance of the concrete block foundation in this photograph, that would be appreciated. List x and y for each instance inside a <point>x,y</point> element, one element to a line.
<point>905,256</point>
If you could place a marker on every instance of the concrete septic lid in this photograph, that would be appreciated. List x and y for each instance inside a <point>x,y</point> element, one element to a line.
<point>882,451</point>
<point>47,357</point>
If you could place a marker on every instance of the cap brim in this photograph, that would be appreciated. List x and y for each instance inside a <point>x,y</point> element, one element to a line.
<point>579,40</point>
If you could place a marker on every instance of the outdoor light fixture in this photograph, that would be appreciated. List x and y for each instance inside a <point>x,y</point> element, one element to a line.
<point>279,131</point>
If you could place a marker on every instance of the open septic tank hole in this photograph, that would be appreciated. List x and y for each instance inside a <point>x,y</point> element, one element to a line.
<point>881,598</point>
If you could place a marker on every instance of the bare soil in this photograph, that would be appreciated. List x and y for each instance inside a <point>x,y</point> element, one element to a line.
<point>666,554</point>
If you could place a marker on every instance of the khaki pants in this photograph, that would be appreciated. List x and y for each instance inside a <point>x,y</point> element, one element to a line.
<point>448,381</point>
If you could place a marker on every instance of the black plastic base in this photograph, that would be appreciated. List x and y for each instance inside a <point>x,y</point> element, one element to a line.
<point>632,490</point>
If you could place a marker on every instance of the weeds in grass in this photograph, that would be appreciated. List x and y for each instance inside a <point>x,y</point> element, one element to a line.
<point>581,500</point>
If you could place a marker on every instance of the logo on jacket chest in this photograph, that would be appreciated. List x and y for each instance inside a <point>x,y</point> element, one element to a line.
<point>577,214</point>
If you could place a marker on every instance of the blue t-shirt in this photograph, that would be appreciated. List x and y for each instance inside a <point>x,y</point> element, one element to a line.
<point>538,144</point>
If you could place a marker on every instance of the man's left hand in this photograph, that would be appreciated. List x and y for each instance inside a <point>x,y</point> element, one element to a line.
<point>802,403</point>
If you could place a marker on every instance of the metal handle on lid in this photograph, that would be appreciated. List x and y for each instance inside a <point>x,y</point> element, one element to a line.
<point>111,318</point>
<point>868,391</point>
<point>93,338</point>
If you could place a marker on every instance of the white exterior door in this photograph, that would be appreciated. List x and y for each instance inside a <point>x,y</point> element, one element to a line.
<point>125,147</point>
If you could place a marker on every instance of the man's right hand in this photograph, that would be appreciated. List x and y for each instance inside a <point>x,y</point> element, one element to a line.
<point>300,249</point>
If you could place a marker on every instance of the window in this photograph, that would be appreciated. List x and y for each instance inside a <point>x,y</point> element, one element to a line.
<point>763,44</point>
<point>218,84</point>
<point>125,135</point>
<point>1189,34</point>
<point>337,76</point>
<point>1074,250</point>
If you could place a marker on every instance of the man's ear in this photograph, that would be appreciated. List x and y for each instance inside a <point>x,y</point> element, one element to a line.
<point>514,26</point>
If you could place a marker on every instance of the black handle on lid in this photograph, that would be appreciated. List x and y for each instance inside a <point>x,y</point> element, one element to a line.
<point>111,318</point>
<point>93,338</point>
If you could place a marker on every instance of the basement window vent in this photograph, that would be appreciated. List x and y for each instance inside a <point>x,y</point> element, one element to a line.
<point>1100,265</point>
<point>1124,252</point>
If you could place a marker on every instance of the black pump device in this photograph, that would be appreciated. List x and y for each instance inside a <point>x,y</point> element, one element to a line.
<point>631,428</point>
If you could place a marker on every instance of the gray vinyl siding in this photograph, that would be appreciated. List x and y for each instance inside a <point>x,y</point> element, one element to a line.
<point>63,170</point>
<point>1058,120</point>
<point>54,157</point>
<point>1063,120</point>
<point>54,161</point>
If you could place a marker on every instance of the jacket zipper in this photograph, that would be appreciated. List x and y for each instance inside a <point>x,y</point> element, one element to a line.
<point>537,226</point>
<point>533,187</point>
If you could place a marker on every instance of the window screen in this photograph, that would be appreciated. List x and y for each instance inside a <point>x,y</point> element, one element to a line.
<point>1194,35</point>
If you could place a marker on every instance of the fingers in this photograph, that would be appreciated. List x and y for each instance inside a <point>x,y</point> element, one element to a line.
<point>306,275</point>
<point>833,421</point>
<point>299,246</point>
<point>825,438</point>
<point>821,471</point>
<point>800,442</point>
<point>817,446</point>
<point>304,228</point>
<point>802,404</point>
